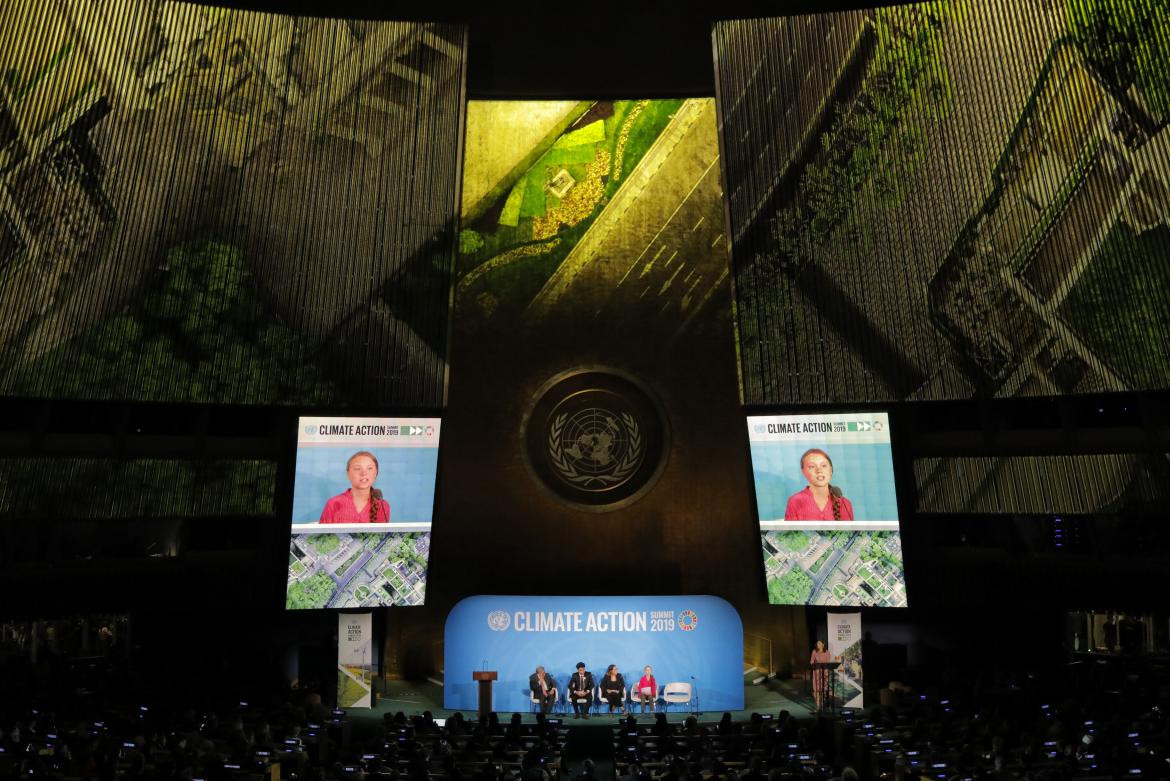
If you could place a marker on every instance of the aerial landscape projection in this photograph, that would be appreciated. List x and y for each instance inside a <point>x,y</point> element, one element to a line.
<point>357,570</point>
<point>598,208</point>
<point>847,568</point>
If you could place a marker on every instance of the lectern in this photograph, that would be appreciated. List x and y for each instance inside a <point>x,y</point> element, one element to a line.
<point>485,678</point>
<point>825,681</point>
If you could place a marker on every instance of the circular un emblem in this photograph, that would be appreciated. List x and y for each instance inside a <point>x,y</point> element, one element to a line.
<point>498,620</point>
<point>595,447</point>
<point>687,620</point>
<point>595,438</point>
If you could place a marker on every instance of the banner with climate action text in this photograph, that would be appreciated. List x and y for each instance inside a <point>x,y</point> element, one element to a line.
<point>692,640</point>
<point>844,632</point>
<point>355,660</point>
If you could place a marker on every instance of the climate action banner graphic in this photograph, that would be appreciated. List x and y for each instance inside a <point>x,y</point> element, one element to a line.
<point>355,660</point>
<point>696,640</point>
<point>844,632</point>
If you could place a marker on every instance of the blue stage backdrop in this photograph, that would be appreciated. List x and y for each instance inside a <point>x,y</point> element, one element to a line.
<point>692,639</point>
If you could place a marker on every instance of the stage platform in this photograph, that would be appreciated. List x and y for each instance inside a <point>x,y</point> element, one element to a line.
<point>771,696</point>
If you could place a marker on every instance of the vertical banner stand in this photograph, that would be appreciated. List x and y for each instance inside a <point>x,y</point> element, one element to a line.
<point>355,660</point>
<point>844,632</point>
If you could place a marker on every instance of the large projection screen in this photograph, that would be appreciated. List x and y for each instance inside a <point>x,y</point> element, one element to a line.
<point>361,519</point>
<point>828,510</point>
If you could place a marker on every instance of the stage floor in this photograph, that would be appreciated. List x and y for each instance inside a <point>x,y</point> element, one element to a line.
<point>768,697</point>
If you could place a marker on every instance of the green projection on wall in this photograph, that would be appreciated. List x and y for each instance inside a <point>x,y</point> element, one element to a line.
<point>949,199</point>
<point>565,205</point>
<point>199,325</point>
<point>213,205</point>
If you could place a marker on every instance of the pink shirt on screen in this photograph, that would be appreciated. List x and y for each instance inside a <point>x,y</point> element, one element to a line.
<point>819,676</point>
<point>803,507</point>
<point>340,509</point>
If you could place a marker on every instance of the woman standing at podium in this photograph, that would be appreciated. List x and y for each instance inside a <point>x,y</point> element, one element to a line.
<point>820,655</point>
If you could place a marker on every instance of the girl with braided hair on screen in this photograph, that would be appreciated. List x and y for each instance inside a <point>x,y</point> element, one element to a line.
<point>361,502</point>
<point>820,500</point>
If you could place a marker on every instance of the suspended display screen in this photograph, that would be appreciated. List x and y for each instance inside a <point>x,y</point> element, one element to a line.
<point>828,509</point>
<point>362,504</point>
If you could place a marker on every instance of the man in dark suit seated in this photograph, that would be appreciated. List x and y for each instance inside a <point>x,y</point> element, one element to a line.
<point>581,691</point>
<point>544,689</point>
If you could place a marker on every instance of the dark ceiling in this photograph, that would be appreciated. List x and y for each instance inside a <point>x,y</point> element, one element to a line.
<point>578,48</point>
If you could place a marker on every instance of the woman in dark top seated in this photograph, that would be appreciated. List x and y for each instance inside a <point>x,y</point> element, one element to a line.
<point>613,688</point>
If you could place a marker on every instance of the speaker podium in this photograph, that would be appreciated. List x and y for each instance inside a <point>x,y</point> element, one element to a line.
<point>485,678</point>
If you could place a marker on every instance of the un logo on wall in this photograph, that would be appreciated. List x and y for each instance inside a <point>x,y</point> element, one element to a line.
<point>595,446</point>
<point>595,438</point>
<point>498,620</point>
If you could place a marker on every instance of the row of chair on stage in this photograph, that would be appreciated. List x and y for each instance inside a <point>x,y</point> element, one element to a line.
<point>677,693</point>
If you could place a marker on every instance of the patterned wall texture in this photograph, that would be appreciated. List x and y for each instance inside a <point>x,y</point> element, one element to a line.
<point>221,206</point>
<point>1084,484</point>
<point>93,511</point>
<point>949,199</point>
<point>134,488</point>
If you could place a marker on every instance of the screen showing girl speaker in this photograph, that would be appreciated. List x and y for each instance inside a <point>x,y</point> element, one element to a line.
<point>828,510</point>
<point>363,495</point>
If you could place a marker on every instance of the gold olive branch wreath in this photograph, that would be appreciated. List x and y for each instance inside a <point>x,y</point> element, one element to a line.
<point>624,468</point>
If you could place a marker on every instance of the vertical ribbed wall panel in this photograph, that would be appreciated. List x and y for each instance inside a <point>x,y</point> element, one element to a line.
<point>209,205</point>
<point>1085,484</point>
<point>949,199</point>
<point>134,488</point>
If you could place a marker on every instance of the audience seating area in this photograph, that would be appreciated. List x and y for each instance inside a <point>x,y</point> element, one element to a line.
<point>1087,720</point>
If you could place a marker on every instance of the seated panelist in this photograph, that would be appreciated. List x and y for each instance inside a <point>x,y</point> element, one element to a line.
<point>544,689</point>
<point>613,688</point>
<point>647,689</point>
<point>581,691</point>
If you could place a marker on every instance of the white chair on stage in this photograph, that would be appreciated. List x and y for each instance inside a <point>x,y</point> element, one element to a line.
<point>536,701</point>
<point>676,693</point>
<point>634,697</point>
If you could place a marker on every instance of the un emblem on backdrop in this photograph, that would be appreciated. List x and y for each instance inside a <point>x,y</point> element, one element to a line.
<point>595,447</point>
<point>595,438</point>
<point>498,620</point>
<point>687,620</point>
